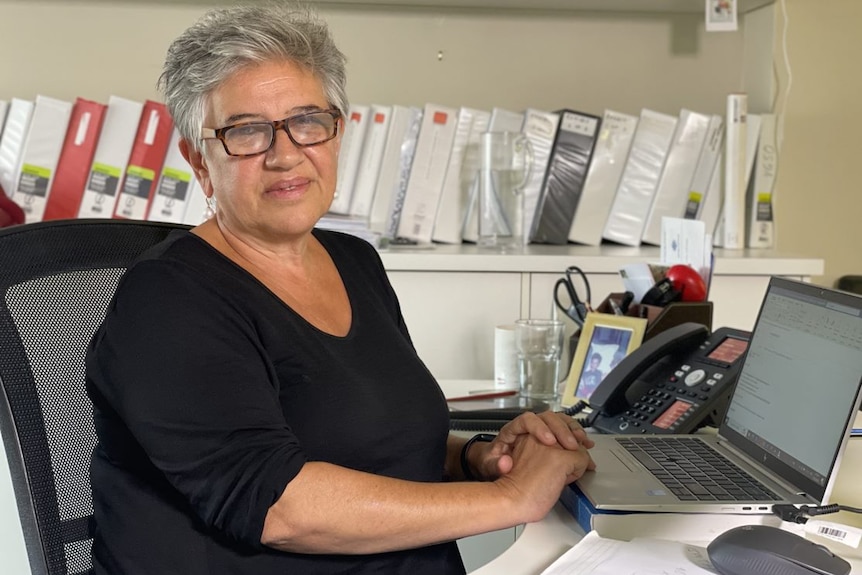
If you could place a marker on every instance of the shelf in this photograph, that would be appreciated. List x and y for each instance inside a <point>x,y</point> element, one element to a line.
<point>602,259</point>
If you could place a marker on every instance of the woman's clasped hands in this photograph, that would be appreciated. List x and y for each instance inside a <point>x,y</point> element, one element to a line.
<point>537,455</point>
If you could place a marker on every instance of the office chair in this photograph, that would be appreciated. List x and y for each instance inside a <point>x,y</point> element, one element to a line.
<point>56,281</point>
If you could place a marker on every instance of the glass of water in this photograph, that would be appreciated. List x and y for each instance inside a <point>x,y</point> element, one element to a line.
<point>539,343</point>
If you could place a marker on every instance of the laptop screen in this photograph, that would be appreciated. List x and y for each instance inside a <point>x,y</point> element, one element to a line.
<point>798,387</point>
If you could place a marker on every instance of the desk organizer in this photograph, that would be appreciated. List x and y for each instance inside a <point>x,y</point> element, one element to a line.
<point>662,318</point>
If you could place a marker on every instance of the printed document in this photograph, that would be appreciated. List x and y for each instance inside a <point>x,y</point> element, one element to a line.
<point>595,555</point>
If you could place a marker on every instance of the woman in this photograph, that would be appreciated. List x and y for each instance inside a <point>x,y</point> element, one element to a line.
<point>259,405</point>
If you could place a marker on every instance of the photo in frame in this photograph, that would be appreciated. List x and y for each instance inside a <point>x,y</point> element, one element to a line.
<point>604,341</point>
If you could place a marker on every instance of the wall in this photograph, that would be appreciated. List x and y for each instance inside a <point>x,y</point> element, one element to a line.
<point>512,59</point>
<point>819,193</point>
<point>546,60</point>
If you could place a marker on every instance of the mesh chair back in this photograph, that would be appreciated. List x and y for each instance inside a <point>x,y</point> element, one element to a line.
<point>56,281</point>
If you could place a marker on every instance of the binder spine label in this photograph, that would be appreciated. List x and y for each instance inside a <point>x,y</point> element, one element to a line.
<point>692,206</point>
<point>138,182</point>
<point>34,180</point>
<point>764,207</point>
<point>104,179</point>
<point>174,184</point>
<point>83,127</point>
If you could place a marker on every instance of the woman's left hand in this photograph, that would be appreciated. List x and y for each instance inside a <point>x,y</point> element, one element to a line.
<point>548,427</point>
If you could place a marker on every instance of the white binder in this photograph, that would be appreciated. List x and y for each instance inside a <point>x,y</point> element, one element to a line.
<point>112,157</point>
<point>603,176</point>
<point>348,157</point>
<point>174,188</point>
<point>368,170</point>
<point>40,154</point>
<point>463,163</point>
<point>640,177</point>
<point>400,119</point>
<point>433,148</point>
<point>671,194</point>
<point>12,143</point>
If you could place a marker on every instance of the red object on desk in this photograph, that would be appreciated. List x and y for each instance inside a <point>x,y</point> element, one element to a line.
<point>687,281</point>
<point>489,395</point>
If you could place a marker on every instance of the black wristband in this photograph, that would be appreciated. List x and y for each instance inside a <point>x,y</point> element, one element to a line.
<point>465,466</point>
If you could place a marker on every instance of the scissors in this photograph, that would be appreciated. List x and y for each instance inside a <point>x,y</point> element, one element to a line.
<point>578,308</point>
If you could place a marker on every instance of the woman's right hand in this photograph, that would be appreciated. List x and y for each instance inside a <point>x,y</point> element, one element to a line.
<point>539,474</point>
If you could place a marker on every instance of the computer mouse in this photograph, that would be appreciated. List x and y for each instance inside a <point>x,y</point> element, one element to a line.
<point>759,549</point>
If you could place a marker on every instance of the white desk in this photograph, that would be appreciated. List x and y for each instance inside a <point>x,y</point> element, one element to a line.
<point>538,545</point>
<point>541,543</point>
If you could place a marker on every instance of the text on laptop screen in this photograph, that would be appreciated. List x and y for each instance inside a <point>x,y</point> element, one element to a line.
<point>805,357</point>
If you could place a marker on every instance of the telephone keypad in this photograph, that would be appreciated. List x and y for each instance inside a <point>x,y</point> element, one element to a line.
<point>657,400</point>
<point>698,384</point>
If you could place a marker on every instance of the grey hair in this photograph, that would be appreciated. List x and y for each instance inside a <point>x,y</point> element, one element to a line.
<point>226,40</point>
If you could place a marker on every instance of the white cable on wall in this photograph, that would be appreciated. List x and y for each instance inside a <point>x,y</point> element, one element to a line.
<point>781,109</point>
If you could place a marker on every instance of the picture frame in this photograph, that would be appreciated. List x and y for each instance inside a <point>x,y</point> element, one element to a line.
<point>604,340</point>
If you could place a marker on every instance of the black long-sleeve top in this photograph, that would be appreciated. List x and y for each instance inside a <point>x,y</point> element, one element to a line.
<point>210,394</point>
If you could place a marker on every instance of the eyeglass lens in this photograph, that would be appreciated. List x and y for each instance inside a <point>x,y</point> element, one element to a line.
<point>258,137</point>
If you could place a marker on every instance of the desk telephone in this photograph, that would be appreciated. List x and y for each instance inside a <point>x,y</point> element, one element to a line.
<point>675,382</point>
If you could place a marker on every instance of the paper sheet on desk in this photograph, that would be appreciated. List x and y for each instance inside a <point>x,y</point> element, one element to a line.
<point>595,555</point>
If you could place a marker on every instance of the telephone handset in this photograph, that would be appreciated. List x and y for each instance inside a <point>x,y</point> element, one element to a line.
<point>675,382</point>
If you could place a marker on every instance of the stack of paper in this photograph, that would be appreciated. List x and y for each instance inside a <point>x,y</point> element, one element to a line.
<point>595,555</point>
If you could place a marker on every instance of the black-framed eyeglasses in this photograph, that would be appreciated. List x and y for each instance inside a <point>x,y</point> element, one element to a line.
<point>253,138</point>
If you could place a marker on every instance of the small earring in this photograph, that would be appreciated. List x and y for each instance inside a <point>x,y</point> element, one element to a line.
<point>211,208</point>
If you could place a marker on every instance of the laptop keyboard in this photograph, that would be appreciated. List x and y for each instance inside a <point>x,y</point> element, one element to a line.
<point>694,471</point>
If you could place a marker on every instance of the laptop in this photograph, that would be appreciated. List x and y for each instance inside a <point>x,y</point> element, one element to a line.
<point>786,427</point>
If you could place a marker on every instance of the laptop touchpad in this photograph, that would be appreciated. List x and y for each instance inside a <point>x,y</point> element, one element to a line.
<point>614,461</point>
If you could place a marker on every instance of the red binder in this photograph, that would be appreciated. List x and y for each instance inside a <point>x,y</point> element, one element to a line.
<point>145,162</point>
<point>73,167</point>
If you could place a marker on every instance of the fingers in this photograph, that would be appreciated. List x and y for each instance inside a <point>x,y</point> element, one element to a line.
<point>563,428</point>
<point>548,427</point>
<point>567,431</point>
<point>527,423</point>
<point>584,465</point>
